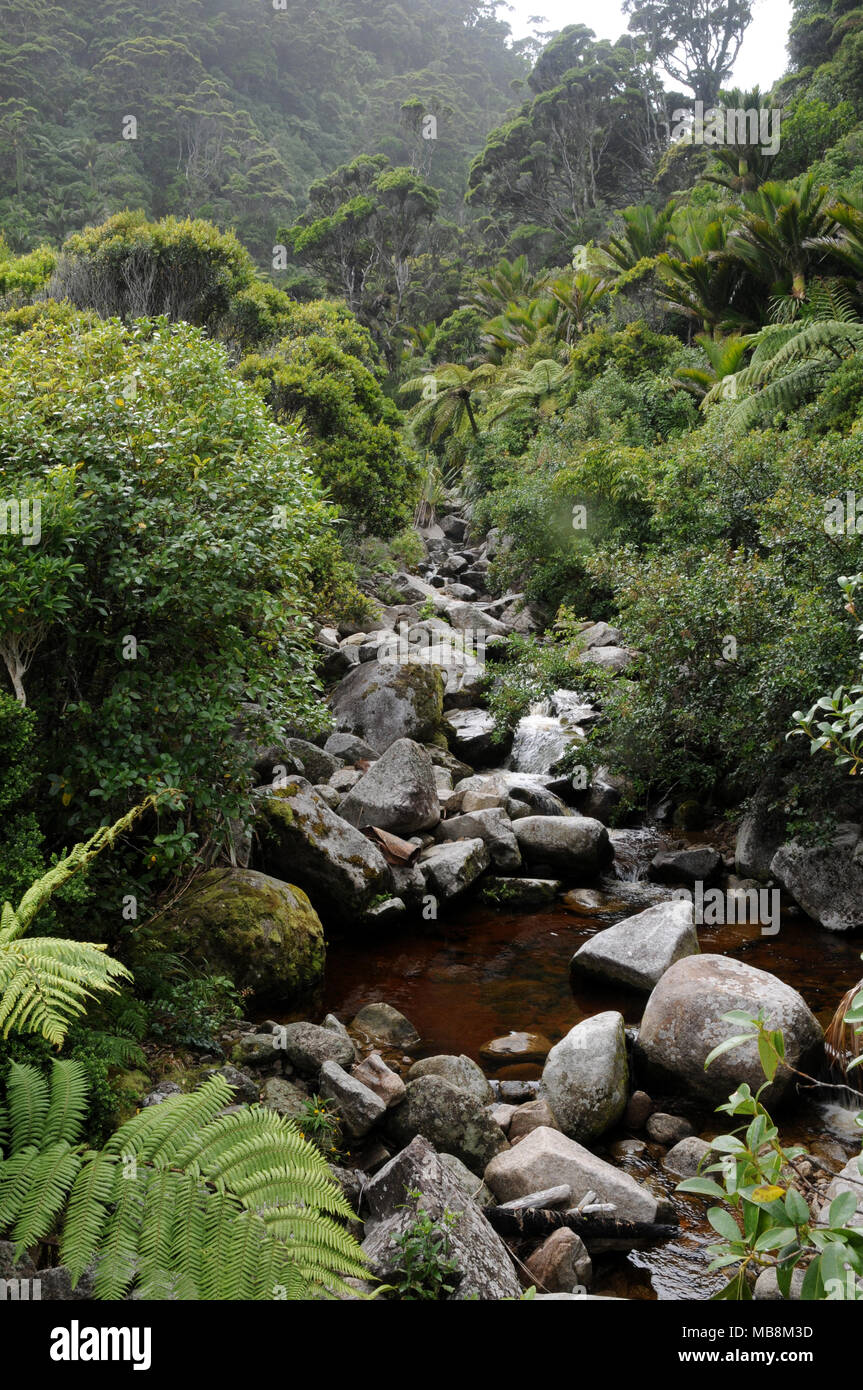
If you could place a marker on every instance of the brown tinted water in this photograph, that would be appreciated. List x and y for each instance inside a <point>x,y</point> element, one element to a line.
<point>479,974</point>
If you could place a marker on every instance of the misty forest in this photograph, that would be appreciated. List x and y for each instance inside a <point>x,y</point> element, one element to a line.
<point>431,695</point>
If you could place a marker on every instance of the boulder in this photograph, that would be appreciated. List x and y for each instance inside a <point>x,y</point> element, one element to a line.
<point>686,1156</point>
<point>384,702</point>
<point>599,635</point>
<point>487,1270</point>
<point>453,1121</point>
<point>471,734</point>
<point>307,1046</point>
<point>668,1130</point>
<point>397,793</point>
<point>336,865</point>
<point>637,951</point>
<point>450,868</point>
<point>547,1158</point>
<point>359,1107</point>
<point>262,933</point>
<point>285,1097</point>
<point>374,1073</point>
<point>472,1186</point>
<point>571,845</point>
<point>586,1078</point>
<point>514,893</point>
<point>826,881</point>
<point>318,765</point>
<point>528,1117</point>
<point>488,789</point>
<point>561,1264</point>
<point>349,748</point>
<point>699,865</point>
<point>383,1026</point>
<point>614,659</point>
<point>683,1022</point>
<point>493,827</point>
<point>762,830</point>
<point>850,1179</point>
<point>460,1072</point>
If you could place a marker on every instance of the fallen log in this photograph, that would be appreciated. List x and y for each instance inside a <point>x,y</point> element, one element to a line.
<point>394,849</point>
<point>533,1222</point>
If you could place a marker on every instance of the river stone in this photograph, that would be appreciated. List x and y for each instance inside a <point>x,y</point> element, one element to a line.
<point>459,1071</point>
<point>699,865</point>
<point>472,1186</point>
<point>330,795</point>
<point>397,793</point>
<point>682,1023</point>
<point>260,932</point>
<point>561,1264</point>
<point>614,659</point>
<point>686,1157</point>
<point>762,830</point>
<point>384,1026</point>
<point>637,951</point>
<point>374,1073</point>
<point>340,869</point>
<point>766,1288</point>
<point>599,635</point>
<point>307,1046</point>
<point>546,1158</point>
<point>586,1078</point>
<point>493,827</point>
<point>344,781</point>
<point>284,1097</point>
<point>516,1047</point>
<point>825,881</point>
<point>449,869</point>
<point>472,731</point>
<point>452,1120</point>
<point>349,748</point>
<point>528,1117</point>
<point>515,893</point>
<point>382,702</point>
<point>850,1179</point>
<point>667,1130</point>
<point>571,845</point>
<point>486,1266</point>
<point>486,789</point>
<point>358,1106</point>
<point>318,765</point>
<point>592,902</point>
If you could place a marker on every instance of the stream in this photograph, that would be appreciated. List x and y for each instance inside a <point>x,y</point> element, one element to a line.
<point>480,974</point>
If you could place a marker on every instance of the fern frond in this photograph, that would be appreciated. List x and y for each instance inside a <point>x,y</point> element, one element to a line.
<point>67,1110</point>
<point>46,982</point>
<point>27,1098</point>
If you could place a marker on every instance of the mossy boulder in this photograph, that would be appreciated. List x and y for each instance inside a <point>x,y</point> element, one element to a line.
<point>262,933</point>
<point>334,863</point>
<point>383,701</point>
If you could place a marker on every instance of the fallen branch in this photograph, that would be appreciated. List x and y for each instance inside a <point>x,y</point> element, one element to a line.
<point>534,1221</point>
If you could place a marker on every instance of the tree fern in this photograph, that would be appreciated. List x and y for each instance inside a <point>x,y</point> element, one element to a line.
<point>181,1202</point>
<point>46,982</point>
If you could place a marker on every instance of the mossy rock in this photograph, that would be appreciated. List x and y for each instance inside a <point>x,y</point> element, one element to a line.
<point>262,933</point>
<point>130,1088</point>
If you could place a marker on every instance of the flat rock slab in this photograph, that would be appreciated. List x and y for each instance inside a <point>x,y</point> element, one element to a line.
<point>637,951</point>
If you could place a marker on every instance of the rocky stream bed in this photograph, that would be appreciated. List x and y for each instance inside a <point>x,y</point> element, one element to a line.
<point>517,998</point>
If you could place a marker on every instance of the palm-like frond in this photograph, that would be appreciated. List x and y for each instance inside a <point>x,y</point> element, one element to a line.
<point>46,982</point>
<point>181,1202</point>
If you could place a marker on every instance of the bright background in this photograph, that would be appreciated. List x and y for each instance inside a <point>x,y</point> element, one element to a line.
<point>761,59</point>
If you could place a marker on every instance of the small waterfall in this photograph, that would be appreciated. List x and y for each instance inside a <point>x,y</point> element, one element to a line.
<point>541,738</point>
<point>633,851</point>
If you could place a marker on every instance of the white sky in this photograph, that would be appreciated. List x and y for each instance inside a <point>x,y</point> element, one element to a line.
<point>761,60</point>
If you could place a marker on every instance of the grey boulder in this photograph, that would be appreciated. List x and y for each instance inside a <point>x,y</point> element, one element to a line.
<point>397,793</point>
<point>585,1078</point>
<point>637,951</point>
